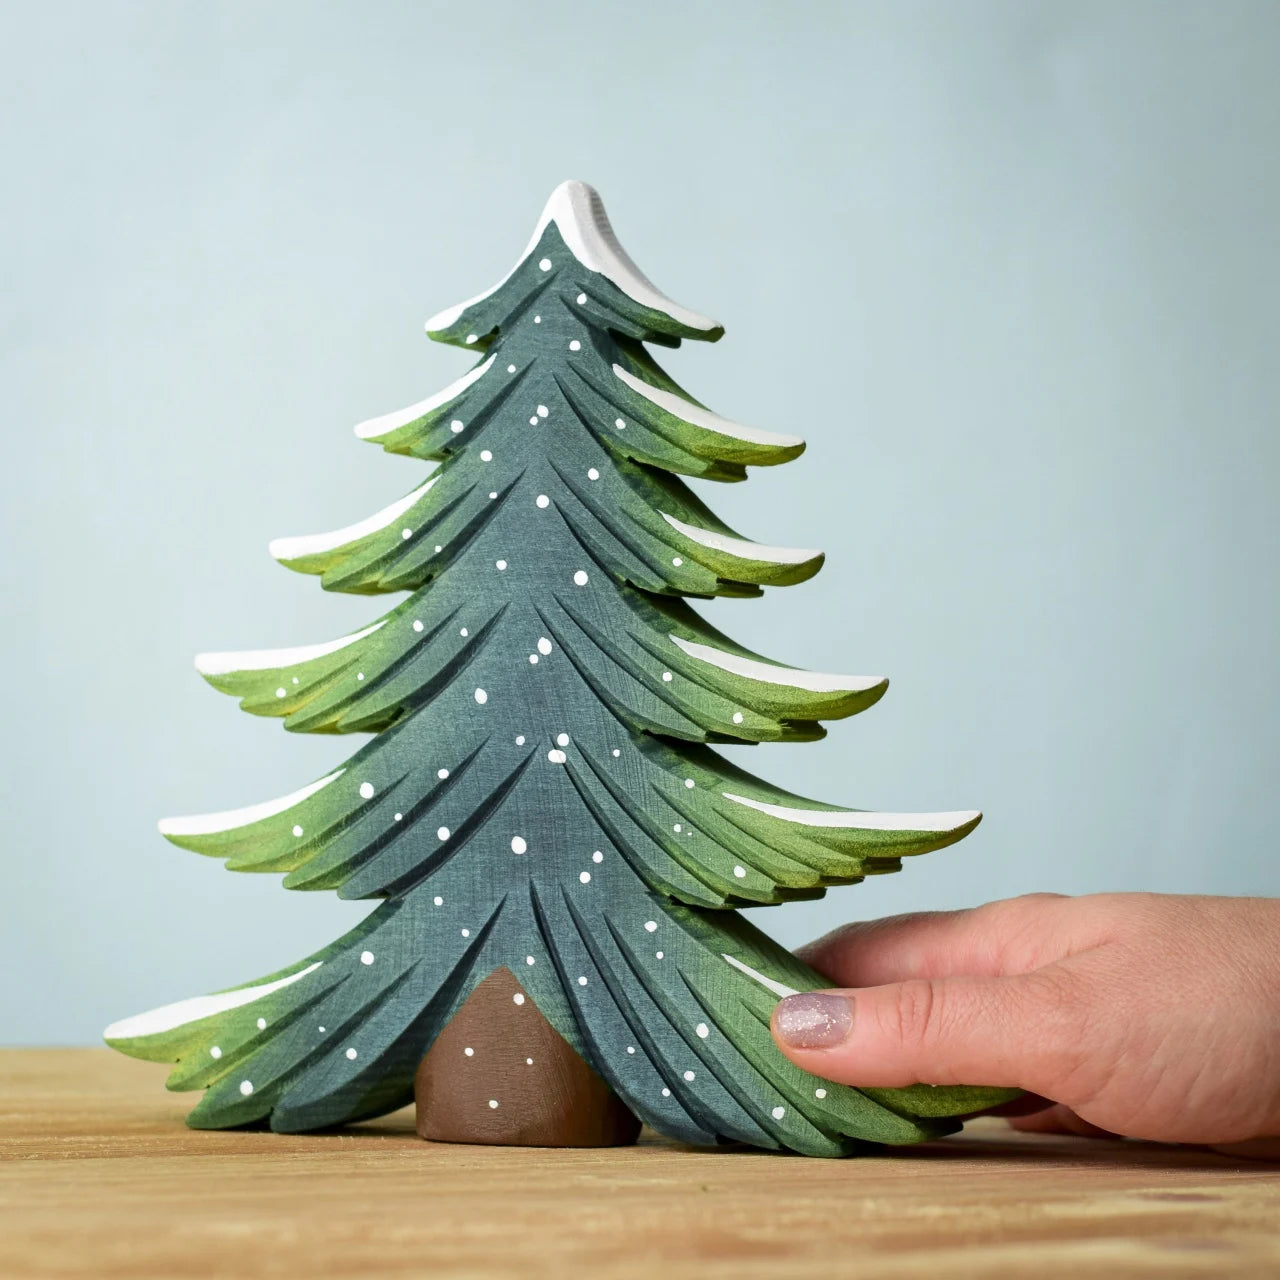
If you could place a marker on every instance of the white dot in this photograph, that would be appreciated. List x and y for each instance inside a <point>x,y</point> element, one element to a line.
<point>215,1052</point>
<point>351,1055</point>
<point>658,955</point>
<point>439,548</point>
<point>580,578</point>
<point>501,564</point>
<point>520,740</point>
<point>480,696</point>
<point>297,831</point>
<point>688,782</point>
<point>295,679</point>
<point>676,828</point>
<point>582,297</point>
<point>542,501</point>
<point>466,933</point>
<point>592,474</point>
<point>462,631</point>
<point>819,1093</point>
<point>543,411</point>
<point>740,872</point>
<point>666,1093</point>
<point>442,773</point>
<point>582,982</point>
<point>399,816</point>
<point>518,844</point>
<point>262,1024</point>
<point>366,957</point>
<point>533,421</point>
<point>518,997</point>
<point>616,753</point>
<point>651,926</point>
<point>528,1062</point>
<point>675,560</point>
<point>471,1053</point>
<point>537,319</point>
<point>529,960</point>
<point>689,1075</point>
<point>486,455</point>
<point>472,337</point>
<point>359,675</point>
<point>556,756</point>
<point>321,1030</point>
<point>778,1112</point>
<point>562,739</point>
<point>544,645</point>
<point>618,422</point>
<point>455,426</point>
<point>544,265</point>
<point>366,790</point>
<point>597,856</point>
<point>631,1048</point>
<point>533,659</point>
<point>406,533</point>
<point>442,833</point>
<point>417,624</point>
<point>438,900</point>
<point>737,717</point>
<point>584,877</point>
<point>575,345</point>
<point>666,677</point>
<point>511,368</point>
<point>246,1087</point>
<point>493,1104</point>
<point>280,693</point>
<point>493,493</point>
<point>702,1030</point>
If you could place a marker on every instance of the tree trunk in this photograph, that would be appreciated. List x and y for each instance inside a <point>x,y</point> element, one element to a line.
<point>500,1073</point>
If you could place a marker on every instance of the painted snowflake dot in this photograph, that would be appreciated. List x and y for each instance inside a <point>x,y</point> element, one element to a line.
<point>262,1024</point>
<point>442,773</point>
<point>455,426</point>
<point>493,1104</point>
<point>582,297</point>
<point>352,1055</point>
<point>486,455</point>
<point>582,982</point>
<point>659,955</point>
<point>584,877</point>
<point>631,1048</point>
<point>666,677</point>
<point>556,756</point>
<point>529,960</point>
<point>280,693</point>
<point>466,933</point>
<point>689,1075</point>
<point>511,368</point>
<point>740,872</point>
<point>533,421</point>
<point>533,659</point>
<point>528,1062</point>
<point>562,739</point>
<point>542,501</point>
<point>442,833</point>
<point>618,422</point>
<point>544,646</point>
<point>438,900</point>
<point>493,493</point>
<point>592,474</point>
<point>819,1093</point>
<point>580,578</point>
<point>406,533</point>
<point>537,319</point>
<point>544,264</point>
<point>778,1112</point>
<point>417,624</point>
<point>471,1053</point>
<point>366,790</point>
<point>543,411</point>
<point>500,564</point>
<point>737,717</point>
<point>481,696</point>
<point>575,345</point>
<point>398,816</point>
<point>616,753</point>
<point>651,926</point>
<point>702,1031</point>
<point>366,957</point>
<point>520,740</point>
<point>597,856</point>
<point>246,1087</point>
<point>215,1052</point>
<point>666,1093</point>
<point>297,831</point>
<point>518,844</point>
<point>689,783</point>
<point>463,632</point>
<point>518,998</point>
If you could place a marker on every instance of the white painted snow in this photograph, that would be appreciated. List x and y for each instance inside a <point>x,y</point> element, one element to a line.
<point>697,416</point>
<point>177,1015</point>
<point>205,824</point>
<point>584,226</point>
<point>740,547</point>
<point>860,819</point>
<point>311,544</point>
<point>813,681</point>
<point>778,988</point>
<point>221,664</point>
<point>375,427</point>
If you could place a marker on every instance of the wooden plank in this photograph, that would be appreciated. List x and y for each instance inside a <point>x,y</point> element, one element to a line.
<point>98,1177</point>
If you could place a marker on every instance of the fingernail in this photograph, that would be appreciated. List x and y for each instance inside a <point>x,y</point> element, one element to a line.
<point>813,1019</point>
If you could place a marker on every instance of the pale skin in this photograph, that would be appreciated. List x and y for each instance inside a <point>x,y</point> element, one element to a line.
<point>1145,1015</point>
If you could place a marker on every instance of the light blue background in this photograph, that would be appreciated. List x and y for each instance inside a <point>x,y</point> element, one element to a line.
<point>1012,269</point>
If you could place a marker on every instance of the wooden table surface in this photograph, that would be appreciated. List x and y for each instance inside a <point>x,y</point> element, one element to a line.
<point>99,1177</point>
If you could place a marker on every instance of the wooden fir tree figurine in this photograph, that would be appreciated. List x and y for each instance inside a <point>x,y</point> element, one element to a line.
<point>555,848</point>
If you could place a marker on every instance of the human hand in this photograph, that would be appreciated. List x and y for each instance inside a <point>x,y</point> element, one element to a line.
<point>1148,1015</point>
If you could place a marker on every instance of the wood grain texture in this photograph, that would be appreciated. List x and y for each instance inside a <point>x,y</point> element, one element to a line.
<point>99,1177</point>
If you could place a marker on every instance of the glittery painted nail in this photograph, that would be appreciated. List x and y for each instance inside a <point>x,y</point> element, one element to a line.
<point>813,1019</point>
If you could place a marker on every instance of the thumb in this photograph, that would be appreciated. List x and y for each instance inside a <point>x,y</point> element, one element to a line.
<point>1007,1031</point>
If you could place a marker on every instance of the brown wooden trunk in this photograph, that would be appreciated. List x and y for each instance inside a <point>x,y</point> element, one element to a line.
<point>500,1073</point>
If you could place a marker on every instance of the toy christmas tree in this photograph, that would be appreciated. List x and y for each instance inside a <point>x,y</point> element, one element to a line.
<point>556,849</point>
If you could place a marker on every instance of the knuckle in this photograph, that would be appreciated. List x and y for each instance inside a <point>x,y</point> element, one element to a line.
<point>914,1012</point>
